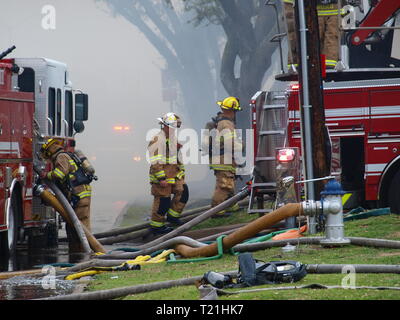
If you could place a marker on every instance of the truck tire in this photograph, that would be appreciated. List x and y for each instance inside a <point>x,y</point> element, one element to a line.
<point>9,238</point>
<point>394,194</point>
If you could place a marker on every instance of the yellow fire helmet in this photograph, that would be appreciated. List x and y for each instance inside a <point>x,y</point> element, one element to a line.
<point>171,120</point>
<point>230,103</point>
<point>45,147</point>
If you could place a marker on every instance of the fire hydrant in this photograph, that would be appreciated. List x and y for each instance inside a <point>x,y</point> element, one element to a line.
<point>332,208</point>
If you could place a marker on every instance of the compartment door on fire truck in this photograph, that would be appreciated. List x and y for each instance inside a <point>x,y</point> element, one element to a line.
<point>21,129</point>
<point>5,132</point>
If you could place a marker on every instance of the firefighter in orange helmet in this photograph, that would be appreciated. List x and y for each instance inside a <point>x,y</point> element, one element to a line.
<point>222,159</point>
<point>167,176</point>
<point>77,193</point>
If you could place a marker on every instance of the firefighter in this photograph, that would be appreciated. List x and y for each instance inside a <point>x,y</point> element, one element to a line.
<point>224,146</point>
<point>62,174</point>
<point>167,176</point>
<point>328,32</point>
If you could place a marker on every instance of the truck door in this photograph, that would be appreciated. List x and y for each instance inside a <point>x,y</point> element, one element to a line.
<point>385,111</point>
<point>5,133</point>
<point>16,117</point>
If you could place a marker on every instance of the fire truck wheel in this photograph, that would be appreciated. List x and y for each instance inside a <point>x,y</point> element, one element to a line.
<point>9,239</point>
<point>394,194</point>
<point>15,212</point>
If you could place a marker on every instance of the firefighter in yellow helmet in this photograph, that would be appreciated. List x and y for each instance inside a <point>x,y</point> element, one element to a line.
<point>167,176</point>
<point>223,148</point>
<point>328,32</point>
<point>62,173</point>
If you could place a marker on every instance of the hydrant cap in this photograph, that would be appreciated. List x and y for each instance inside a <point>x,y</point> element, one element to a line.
<point>333,188</point>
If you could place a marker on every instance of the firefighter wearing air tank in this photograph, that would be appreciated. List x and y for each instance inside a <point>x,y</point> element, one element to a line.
<point>167,175</point>
<point>225,145</point>
<point>74,185</point>
<point>328,32</point>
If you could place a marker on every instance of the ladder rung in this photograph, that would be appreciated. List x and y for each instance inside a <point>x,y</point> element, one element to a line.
<point>274,106</point>
<point>268,191</point>
<point>263,184</point>
<point>271,132</point>
<point>279,98</point>
<point>265,159</point>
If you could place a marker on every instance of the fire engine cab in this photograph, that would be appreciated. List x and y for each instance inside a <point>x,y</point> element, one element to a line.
<point>362,114</point>
<point>37,102</point>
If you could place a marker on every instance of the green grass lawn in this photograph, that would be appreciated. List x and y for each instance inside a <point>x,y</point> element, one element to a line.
<point>384,227</point>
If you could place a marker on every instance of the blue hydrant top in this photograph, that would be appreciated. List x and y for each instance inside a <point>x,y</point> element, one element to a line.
<point>333,187</point>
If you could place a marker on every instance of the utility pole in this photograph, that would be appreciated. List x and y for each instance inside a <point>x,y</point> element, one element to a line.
<point>315,138</point>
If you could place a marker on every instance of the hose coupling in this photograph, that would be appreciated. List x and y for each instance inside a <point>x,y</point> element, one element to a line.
<point>311,207</point>
<point>38,189</point>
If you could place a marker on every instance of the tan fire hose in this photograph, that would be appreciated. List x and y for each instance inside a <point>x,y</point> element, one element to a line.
<point>75,222</point>
<point>246,232</point>
<point>52,201</point>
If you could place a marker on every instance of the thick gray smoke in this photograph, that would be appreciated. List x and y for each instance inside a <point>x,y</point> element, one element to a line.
<point>114,63</point>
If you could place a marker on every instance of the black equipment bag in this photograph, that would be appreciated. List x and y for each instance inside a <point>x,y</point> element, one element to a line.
<point>255,272</point>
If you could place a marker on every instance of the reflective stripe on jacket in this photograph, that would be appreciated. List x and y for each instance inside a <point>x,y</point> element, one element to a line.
<point>323,9</point>
<point>225,141</point>
<point>63,168</point>
<point>164,160</point>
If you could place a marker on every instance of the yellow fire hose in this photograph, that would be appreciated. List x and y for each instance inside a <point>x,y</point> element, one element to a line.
<point>127,265</point>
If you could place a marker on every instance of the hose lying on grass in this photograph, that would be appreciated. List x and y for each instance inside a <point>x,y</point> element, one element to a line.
<point>242,247</point>
<point>185,214</point>
<point>142,288</point>
<point>125,266</point>
<point>124,230</point>
<point>306,286</point>
<point>204,216</point>
<point>119,258</point>
<point>244,233</point>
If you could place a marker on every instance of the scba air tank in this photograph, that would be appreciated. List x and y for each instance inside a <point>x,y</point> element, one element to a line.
<point>87,166</point>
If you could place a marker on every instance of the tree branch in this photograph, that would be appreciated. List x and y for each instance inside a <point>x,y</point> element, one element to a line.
<point>227,74</point>
<point>131,14</point>
<point>237,26</point>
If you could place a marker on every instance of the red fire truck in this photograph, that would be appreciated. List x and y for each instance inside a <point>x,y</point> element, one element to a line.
<point>362,113</point>
<point>37,102</point>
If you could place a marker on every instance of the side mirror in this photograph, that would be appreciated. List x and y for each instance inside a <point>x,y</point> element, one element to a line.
<point>81,107</point>
<point>79,126</point>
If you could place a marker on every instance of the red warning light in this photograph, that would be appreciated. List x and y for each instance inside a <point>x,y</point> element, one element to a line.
<point>285,155</point>
<point>295,87</point>
<point>122,128</point>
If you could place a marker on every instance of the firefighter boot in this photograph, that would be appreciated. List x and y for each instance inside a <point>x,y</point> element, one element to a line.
<point>160,230</point>
<point>221,214</point>
<point>226,213</point>
<point>173,220</point>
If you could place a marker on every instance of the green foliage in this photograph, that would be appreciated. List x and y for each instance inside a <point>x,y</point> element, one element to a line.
<point>204,11</point>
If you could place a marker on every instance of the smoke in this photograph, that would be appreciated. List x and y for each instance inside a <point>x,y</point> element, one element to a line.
<point>109,59</point>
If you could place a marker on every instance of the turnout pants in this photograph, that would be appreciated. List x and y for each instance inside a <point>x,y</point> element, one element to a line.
<point>328,33</point>
<point>224,189</point>
<point>82,211</point>
<point>163,204</point>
